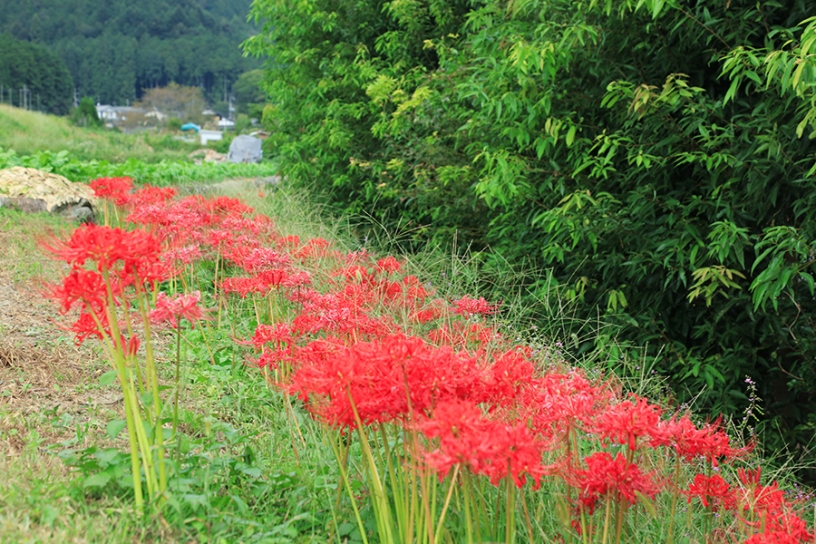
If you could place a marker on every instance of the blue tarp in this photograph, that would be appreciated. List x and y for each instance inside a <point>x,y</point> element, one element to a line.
<point>190,126</point>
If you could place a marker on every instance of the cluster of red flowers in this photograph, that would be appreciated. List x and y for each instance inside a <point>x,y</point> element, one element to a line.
<point>363,343</point>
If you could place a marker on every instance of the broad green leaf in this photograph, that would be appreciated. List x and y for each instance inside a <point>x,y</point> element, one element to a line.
<point>108,377</point>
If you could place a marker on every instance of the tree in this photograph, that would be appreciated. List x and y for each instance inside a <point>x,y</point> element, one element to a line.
<point>85,114</point>
<point>37,70</point>
<point>175,100</point>
<point>113,50</point>
<point>656,157</point>
<point>249,95</point>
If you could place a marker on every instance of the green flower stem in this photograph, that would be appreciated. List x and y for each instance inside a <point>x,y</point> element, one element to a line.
<point>527,519</point>
<point>607,519</point>
<point>510,512</point>
<point>133,441</point>
<point>441,521</point>
<point>675,493</point>
<point>178,376</point>
<point>382,510</point>
<point>153,378</point>
<point>344,477</point>
<point>466,487</point>
<point>398,488</point>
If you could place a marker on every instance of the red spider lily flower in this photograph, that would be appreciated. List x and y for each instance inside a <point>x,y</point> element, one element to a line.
<point>713,492</point>
<point>272,334</point>
<point>242,286</point>
<point>148,272</point>
<point>131,346</point>
<point>611,478</point>
<point>486,447</point>
<point>272,279</point>
<point>426,315</point>
<point>106,246</point>
<point>85,327</point>
<point>765,500</point>
<point>388,265</point>
<point>256,225</point>
<point>173,310</point>
<point>314,248</point>
<point>624,423</point>
<point>414,289</point>
<point>790,524</point>
<point>258,259</point>
<point>114,189</point>
<point>558,403</point>
<point>385,379</point>
<point>276,355</point>
<point>354,273</point>
<point>183,255</point>
<point>226,206</point>
<point>509,372</point>
<point>217,238</point>
<point>709,441</point>
<point>290,242</point>
<point>297,279</point>
<point>85,287</point>
<point>345,312</point>
<point>777,537</point>
<point>151,195</point>
<point>469,306</point>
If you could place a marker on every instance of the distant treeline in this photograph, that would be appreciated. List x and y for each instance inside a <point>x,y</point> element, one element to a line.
<point>31,74</point>
<point>113,49</point>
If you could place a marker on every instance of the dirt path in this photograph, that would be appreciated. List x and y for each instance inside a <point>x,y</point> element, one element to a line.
<point>41,370</point>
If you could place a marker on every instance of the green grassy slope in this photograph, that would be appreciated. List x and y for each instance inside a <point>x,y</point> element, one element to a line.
<point>28,132</point>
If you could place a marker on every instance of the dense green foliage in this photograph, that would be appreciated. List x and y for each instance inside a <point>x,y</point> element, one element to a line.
<point>655,157</point>
<point>160,174</point>
<point>114,49</point>
<point>249,96</point>
<point>85,114</point>
<point>30,66</point>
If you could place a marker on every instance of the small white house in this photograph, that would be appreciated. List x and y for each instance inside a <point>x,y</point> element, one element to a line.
<point>226,124</point>
<point>210,136</point>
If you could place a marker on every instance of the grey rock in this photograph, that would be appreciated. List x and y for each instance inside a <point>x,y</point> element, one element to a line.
<point>245,149</point>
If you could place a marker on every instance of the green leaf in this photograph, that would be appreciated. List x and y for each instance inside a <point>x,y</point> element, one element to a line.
<point>255,472</point>
<point>108,377</point>
<point>242,505</point>
<point>345,529</point>
<point>808,280</point>
<point>115,427</point>
<point>571,135</point>
<point>97,480</point>
<point>647,503</point>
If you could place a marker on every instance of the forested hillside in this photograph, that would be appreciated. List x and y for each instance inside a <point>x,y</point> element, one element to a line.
<point>31,74</point>
<point>113,49</point>
<point>654,159</point>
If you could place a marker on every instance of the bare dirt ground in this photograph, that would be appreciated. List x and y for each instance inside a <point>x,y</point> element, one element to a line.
<point>41,370</point>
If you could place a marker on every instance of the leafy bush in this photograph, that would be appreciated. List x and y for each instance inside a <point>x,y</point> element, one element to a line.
<point>85,114</point>
<point>655,157</point>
